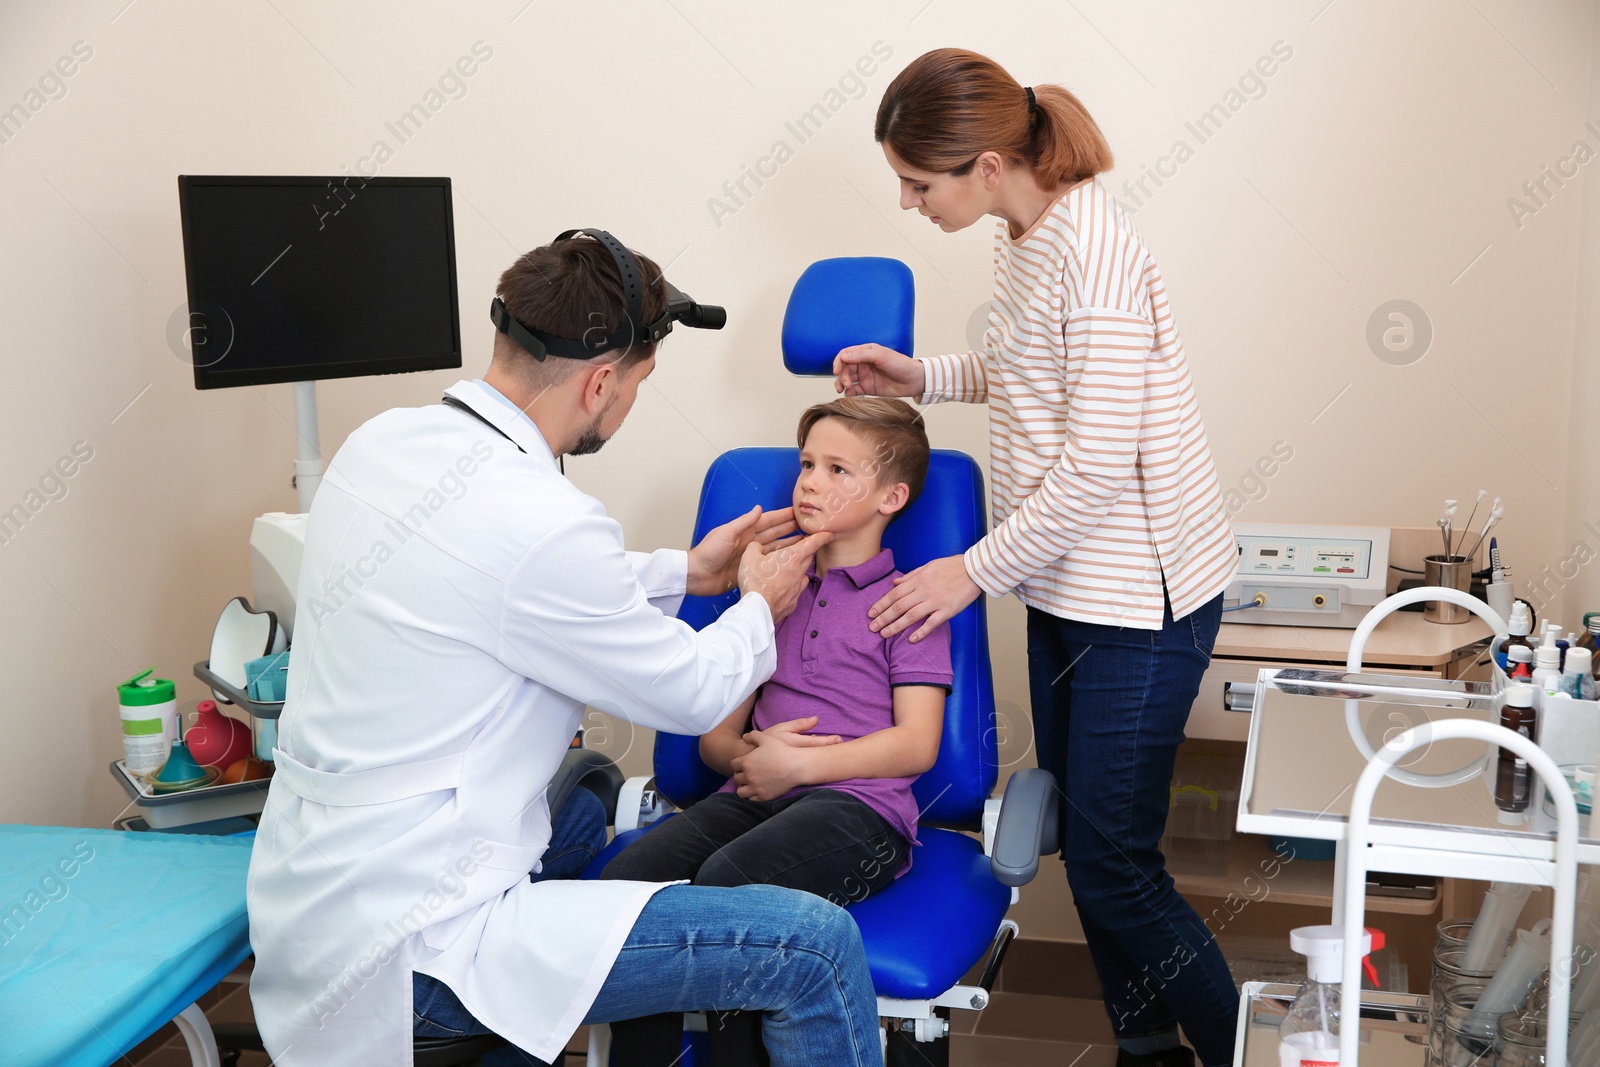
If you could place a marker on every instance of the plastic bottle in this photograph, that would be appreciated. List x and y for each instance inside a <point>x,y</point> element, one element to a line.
<point>1519,663</point>
<point>1547,666</point>
<point>1591,630</point>
<point>1519,625</point>
<point>1309,1035</point>
<point>1577,675</point>
<point>1511,771</point>
<point>149,721</point>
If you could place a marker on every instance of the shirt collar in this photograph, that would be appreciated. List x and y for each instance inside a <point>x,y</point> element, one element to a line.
<point>498,410</point>
<point>862,574</point>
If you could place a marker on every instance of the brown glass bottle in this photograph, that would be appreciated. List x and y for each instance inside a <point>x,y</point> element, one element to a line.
<point>1512,776</point>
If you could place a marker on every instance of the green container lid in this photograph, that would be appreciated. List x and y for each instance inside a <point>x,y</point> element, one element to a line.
<point>142,690</point>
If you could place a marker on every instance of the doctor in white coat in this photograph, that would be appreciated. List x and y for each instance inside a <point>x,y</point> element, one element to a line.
<point>460,603</point>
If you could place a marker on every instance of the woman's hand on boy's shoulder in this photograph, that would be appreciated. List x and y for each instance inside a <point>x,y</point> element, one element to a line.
<point>937,592</point>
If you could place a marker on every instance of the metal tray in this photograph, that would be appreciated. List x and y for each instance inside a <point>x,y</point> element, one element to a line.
<point>164,810</point>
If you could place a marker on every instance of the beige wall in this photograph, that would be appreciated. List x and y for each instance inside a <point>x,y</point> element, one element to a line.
<point>1375,163</point>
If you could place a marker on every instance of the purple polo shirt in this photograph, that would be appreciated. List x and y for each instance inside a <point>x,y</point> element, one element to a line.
<point>831,665</point>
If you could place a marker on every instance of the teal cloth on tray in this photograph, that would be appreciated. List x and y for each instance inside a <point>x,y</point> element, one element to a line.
<point>267,678</point>
<point>106,935</point>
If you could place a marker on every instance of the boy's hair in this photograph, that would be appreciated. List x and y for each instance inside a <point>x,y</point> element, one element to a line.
<point>894,430</point>
<point>569,289</point>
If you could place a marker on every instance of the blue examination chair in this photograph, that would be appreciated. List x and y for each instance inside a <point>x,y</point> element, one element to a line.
<point>938,922</point>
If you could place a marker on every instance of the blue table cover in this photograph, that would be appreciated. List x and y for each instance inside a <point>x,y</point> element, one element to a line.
<point>105,936</point>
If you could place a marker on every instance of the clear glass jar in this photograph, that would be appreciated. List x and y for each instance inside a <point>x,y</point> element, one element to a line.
<point>1452,933</point>
<point>1522,1040</point>
<point>1454,991</point>
<point>1461,1040</point>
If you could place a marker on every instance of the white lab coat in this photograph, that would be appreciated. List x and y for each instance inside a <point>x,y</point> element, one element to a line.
<point>460,603</point>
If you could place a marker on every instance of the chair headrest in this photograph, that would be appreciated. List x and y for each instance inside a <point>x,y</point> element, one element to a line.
<point>847,301</point>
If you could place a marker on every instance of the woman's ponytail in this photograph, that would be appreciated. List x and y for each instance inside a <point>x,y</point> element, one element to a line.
<point>950,105</point>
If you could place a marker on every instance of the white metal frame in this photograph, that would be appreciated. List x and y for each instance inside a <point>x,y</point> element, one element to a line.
<point>1362,851</point>
<point>196,1031</point>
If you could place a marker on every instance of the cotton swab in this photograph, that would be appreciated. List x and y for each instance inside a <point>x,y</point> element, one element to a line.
<point>1467,526</point>
<point>1495,513</point>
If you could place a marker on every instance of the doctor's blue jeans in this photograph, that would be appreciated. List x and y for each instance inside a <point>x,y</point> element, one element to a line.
<point>784,952</point>
<point>1109,707</point>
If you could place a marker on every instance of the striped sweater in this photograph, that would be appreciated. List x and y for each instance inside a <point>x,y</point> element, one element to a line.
<point>1102,488</point>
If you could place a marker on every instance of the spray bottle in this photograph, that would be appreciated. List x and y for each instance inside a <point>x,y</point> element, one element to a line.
<point>1547,665</point>
<point>1309,1036</point>
<point>1518,626</point>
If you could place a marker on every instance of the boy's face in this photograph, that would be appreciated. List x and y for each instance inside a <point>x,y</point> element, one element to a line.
<point>838,489</point>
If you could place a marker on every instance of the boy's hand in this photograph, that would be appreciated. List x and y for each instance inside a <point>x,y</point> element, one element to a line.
<point>770,770</point>
<point>873,370</point>
<point>794,733</point>
<point>714,562</point>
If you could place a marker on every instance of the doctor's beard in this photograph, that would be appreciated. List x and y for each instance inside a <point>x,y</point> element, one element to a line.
<point>590,440</point>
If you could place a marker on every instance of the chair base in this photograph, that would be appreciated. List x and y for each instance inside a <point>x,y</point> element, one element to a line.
<point>904,1050</point>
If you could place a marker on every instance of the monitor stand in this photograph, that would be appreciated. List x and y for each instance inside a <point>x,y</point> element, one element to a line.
<point>308,461</point>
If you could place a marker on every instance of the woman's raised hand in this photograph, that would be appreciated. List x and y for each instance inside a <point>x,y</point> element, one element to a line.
<point>873,370</point>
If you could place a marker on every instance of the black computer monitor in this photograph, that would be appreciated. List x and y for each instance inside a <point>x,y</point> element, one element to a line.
<point>301,278</point>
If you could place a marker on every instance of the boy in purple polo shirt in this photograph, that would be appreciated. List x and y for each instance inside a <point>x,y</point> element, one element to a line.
<point>821,758</point>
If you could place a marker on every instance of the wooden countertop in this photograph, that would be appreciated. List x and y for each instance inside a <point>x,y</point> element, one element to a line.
<point>1404,639</point>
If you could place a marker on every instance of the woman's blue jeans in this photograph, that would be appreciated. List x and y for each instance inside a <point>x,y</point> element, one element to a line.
<point>1109,707</point>
<point>784,952</point>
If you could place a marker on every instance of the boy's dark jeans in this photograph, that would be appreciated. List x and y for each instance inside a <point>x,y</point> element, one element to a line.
<point>824,842</point>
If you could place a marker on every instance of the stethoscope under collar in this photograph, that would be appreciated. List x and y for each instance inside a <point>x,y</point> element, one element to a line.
<point>450,401</point>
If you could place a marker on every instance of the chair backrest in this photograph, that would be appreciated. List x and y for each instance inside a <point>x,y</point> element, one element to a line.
<point>872,298</point>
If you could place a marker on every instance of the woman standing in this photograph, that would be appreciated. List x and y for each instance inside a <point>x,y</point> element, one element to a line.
<point>1108,520</point>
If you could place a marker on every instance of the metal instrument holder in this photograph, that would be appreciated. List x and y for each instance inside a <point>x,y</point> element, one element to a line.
<point>261,709</point>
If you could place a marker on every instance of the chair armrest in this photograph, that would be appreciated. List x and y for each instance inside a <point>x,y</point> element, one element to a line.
<point>584,768</point>
<point>1028,827</point>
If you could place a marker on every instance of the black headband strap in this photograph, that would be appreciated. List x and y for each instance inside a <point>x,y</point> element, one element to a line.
<point>1033,104</point>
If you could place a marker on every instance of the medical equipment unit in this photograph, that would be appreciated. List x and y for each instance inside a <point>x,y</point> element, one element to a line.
<point>1433,746</point>
<point>1292,575</point>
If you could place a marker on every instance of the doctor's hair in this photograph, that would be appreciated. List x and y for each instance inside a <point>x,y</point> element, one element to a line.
<point>893,429</point>
<point>949,106</point>
<point>570,289</point>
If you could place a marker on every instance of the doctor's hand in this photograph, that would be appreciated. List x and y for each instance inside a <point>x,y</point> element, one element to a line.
<point>873,370</point>
<point>714,562</point>
<point>936,591</point>
<point>776,764</point>
<point>778,572</point>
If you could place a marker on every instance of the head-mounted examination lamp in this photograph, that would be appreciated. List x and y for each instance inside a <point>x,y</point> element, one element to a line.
<point>680,308</point>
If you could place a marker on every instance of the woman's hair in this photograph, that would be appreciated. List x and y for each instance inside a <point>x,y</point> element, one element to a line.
<point>893,429</point>
<point>951,105</point>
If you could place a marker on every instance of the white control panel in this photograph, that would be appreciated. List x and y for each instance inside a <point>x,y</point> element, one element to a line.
<point>1307,575</point>
<point>1346,560</point>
